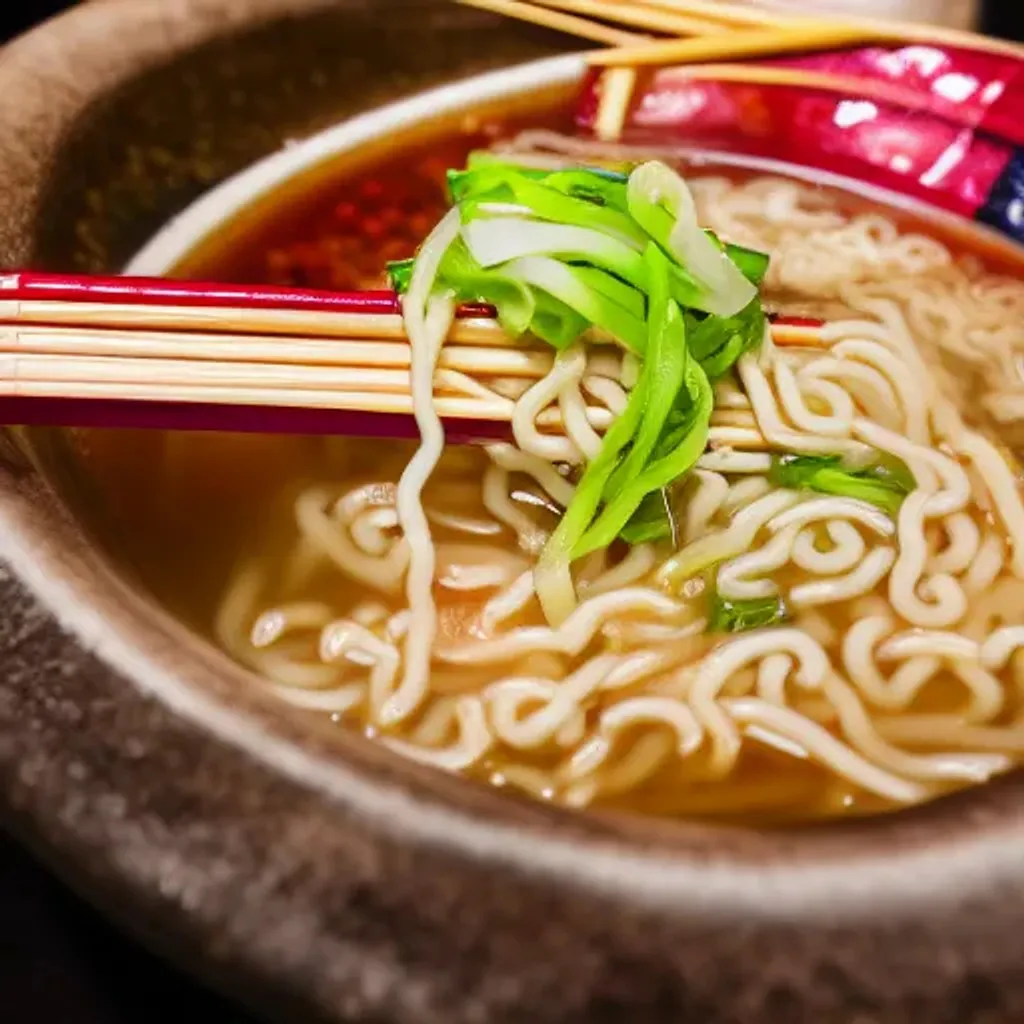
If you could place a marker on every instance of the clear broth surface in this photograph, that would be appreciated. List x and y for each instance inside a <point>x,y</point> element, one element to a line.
<point>180,509</point>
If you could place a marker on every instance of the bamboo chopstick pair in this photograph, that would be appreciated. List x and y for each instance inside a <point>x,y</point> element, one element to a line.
<point>121,341</point>
<point>717,40</point>
<point>707,30</point>
<point>174,342</point>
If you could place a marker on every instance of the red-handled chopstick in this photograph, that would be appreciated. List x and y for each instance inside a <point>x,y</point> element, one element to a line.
<point>42,294</point>
<point>157,353</point>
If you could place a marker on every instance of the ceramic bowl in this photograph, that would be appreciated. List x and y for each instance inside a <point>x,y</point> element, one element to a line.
<point>298,867</point>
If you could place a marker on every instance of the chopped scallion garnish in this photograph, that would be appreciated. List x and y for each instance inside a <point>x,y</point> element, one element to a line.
<point>728,616</point>
<point>559,253</point>
<point>883,482</point>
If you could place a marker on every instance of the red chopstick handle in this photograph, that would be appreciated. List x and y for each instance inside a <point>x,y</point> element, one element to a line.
<point>146,291</point>
<point>157,291</point>
<point>134,414</point>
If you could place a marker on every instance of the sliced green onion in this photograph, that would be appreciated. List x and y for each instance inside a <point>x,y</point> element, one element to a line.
<point>515,303</point>
<point>654,520</point>
<point>552,576</point>
<point>718,342</point>
<point>752,264</point>
<point>574,287</point>
<point>884,482</point>
<point>562,252</point>
<point>555,322</point>
<point>661,203</point>
<point>661,472</point>
<point>727,616</point>
<point>664,362</point>
<point>483,158</point>
<point>399,273</point>
<point>538,199</point>
<point>601,187</point>
<point>498,240</point>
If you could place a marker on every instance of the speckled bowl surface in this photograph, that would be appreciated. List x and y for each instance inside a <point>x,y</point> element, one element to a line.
<point>304,870</point>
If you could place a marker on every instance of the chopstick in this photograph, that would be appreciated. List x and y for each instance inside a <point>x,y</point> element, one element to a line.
<point>73,372</point>
<point>641,15</point>
<point>714,37</point>
<point>121,291</point>
<point>51,310</point>
<point>215,320</point>
<point>158,304</point>
<point>182,381</point>
<point>501,358</point>
<point>735,15</point>
<point>754,42</point>
<point>722,31</point>
<point>47,365</point>
<point>568,23</point>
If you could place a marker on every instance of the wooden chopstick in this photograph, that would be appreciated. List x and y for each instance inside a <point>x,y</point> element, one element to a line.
<point>454,407</point>
<point>149,303</point>
<point>370,384</point>
<point>127,352</point>
<point>754,42</point>
<point>723,30</point>
<point>616,87</point>
<point>640,15</point>
<point>735,15</point>
<point>743,17</point>
<point>235,320</point>
<point>131,384</point>
<point>382,389</point>
<point>560,22</point>
<point>188,372</point>
<point>506,360</point>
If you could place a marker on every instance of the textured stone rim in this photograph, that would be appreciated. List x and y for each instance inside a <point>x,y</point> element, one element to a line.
<point>921,859</point>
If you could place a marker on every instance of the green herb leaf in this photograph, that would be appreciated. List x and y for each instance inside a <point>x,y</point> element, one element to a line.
<point>576,287</point>
<point>589,491</point>
<point>659,473</point>
<point>661,203</point>
<point>718,342</point>
<point>525,196</point>
<point>725,616</point>
<point>399,274</point>
<point>652,521</point>
<point>884,482</point>
<point>560,252</point>
<point>665,362</point>
<point>752,263</point>
<point>672,380</point>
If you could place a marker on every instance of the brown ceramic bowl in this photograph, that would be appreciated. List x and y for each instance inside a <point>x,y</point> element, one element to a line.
<point>300,868</point>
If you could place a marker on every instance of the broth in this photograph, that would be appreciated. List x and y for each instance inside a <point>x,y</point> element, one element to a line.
<point>338,236</point>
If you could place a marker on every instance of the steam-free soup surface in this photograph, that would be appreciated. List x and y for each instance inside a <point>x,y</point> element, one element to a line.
<point>242,534</point>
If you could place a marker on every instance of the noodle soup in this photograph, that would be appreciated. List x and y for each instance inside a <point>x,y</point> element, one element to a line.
<point>886,674</point>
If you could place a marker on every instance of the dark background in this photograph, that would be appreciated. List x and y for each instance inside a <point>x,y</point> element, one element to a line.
<point>59,962</point>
